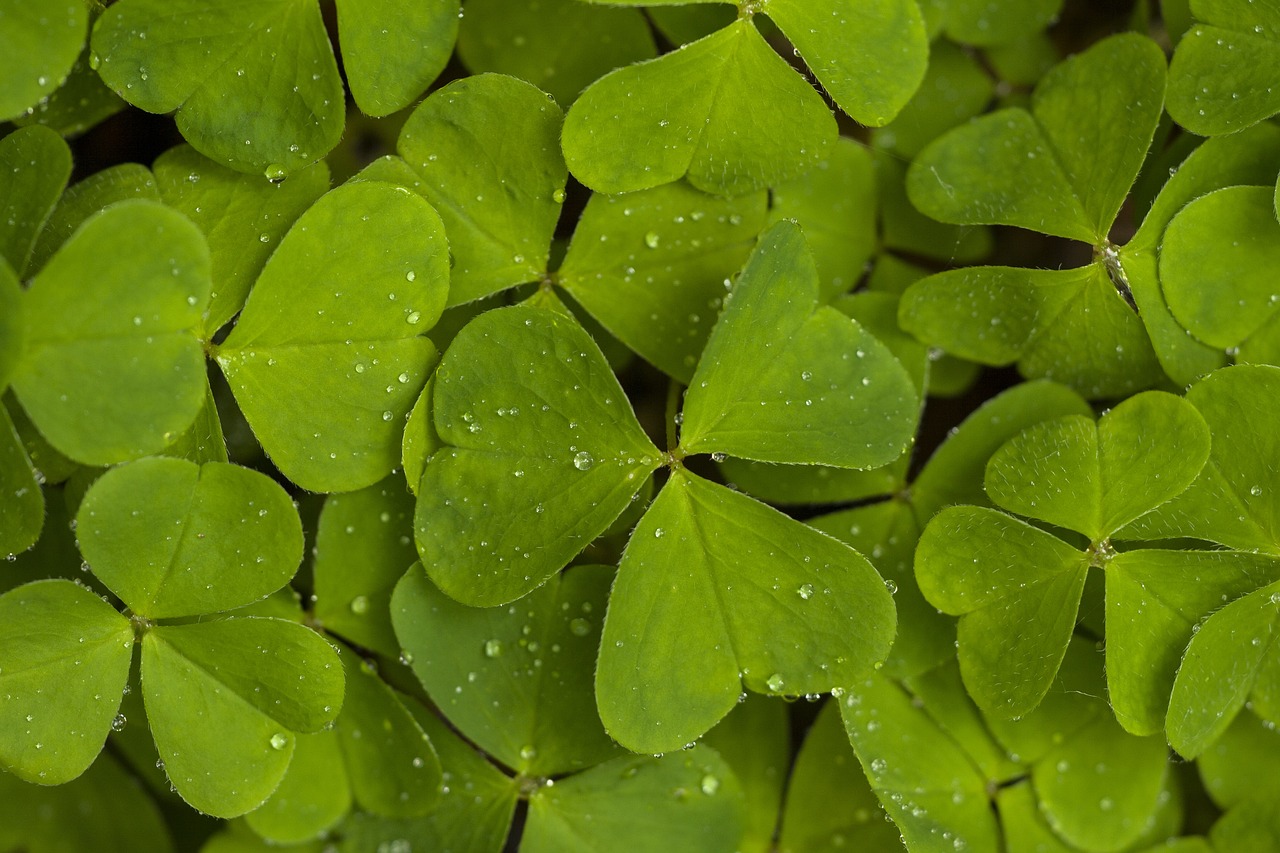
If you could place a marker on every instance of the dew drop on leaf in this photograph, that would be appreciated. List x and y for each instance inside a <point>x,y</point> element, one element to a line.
<point>279,741</point>
<point>709,785</point>
<point>775,682</point>
<point>118,724</point>
<point>582,460</point>
<point>805,591</point>
<point>580,627</point>
<point>492,648</point>
<point>359,605</point>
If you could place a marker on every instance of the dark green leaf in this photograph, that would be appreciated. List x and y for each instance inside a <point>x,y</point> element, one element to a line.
<point>499,202</point>
<point>313,795</point>
<point>689,799</point>
<point>23,515</point>
<point>560,46</point>
<point>393,49</point>
<point>954,90</point>
<point>64,659</point>
<point>987,23</point>
<point>218,65</point>
<point>542,454</point>
<point>785,380</point>
<point>717,591</point>
<point>905,229</point>
<point>34,167</point>
<point>420,438</point>
<point>652,267</point>
<point>697,112</point>
<point>755,741</point>
<point>515,680</point>
<point>81,102</point>
<point>226,699</point>
<point>1252,827</point>
<point>327,357</point>
<point>1222,76</point>
<point>364,545</point>
<point>173,538</point>
<point>113,368</point>
<point>242,217</point>
<point>38,43</point>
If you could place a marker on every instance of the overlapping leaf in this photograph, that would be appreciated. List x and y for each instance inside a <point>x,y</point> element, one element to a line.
<point>82,200</point>
<point>172,538</point>
<point>34,166</point>
<point>113,368</point>
<point>542,453</point>
<point>38,45</point>
<point>218,65</point>
<point>716,592</point>
<point>393,49</point>
<point>328,357</point>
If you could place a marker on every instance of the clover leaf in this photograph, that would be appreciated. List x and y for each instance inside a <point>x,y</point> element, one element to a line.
<point>393,49</point>
<point>111,335</point>
<point>34,166</point>
<point>23,518</point>
<point>39,45</point>
<point>348,292</point>
<point>998,572</point>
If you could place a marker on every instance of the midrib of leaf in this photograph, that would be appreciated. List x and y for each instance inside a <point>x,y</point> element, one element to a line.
<point>707,571</point>
<point>171,563</point>
<point>90,647</point>
<point>1062,169</point>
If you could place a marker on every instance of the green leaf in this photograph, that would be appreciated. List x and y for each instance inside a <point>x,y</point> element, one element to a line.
<point>1221,77</point>
<point>1065,167</point>
<point>785,380</point>
<point>696,112</point>
<point>82,200</point>
<point>34,167</point>
<point>1233,501</point>
<point>924,780</point>
<point>829,803</point>
<point>907,230</point>
<point>23,516</point>
<point>241,216</point>
<point>393,49</point>
<point>755,741</point>
<point>560,46</point>
<point>954,473</point>
<point>986,23</point>
<point>835,206</point>
<point>393,770</point>
<point>327,357</point>
<point>1252,827</point>
<point>1213,264</point>
<point>955,89</point>
<point>1070,325</point>
<point>997,572</point>
<point>1025,827</point>
<point>64,659</point>
<point>173,538</point>
<point>312,797</point>
<point>38,44</point>
<point>887,37</point>
<point>224,700</point>
<point>420,438</point>
<point>218,66</point>
<point>1223,664</point>
<point>80,103</point>
<point>204,440</point>
<point>542,454</point>
<point>11,324</point>
<point>515,680</point>
<point>717,591</point>
<point>363,546</point>
<point>652,267</point>
<point>1154,601</point>
<point>813,484</point>
<point>682,24</point>
<point>1096,479</point>
<point>113,369</point>
<point>105,810</point>
<point>1239,766</point>
<point>690,799</point>
<point>475,810</point>
<point>941,692</point>
<point>499,199</point>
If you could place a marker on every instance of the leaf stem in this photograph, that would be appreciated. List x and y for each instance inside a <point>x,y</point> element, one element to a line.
<point>674,393</point>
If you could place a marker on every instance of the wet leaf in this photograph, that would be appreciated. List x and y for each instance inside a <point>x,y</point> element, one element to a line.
<point>393,49</point>
<point>38,45</point>
<point>34,167</point>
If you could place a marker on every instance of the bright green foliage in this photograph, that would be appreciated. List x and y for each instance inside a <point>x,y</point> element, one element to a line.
<point>541,454</point>
<point>560,46</point>
<point>798,374</point>
<point>371,529</point>
<point>241,216</point>
<point>693,112</point>
<point>128,364</point>
<point>1238,766</point>
<point>313,795</point>
<point>79,104</point>
<point>1000,573</point>
<point>64,657</point>
<point>34,166</point>
<point>955,88</point>
<point>86,198</point>
<point>38,44</point>
<point>393,49</point>
<point>351,289</point>
<point>172,538</point>
<point>689,798</point>
<point>755,741</point>
<point>219,65</point>
<point>982,22</point>
<point>515,680</point>
<point>225,704</point>
<point>652,267</point>
<point>1222,72</point>
<point>499,202</point>
<point>713,594</point>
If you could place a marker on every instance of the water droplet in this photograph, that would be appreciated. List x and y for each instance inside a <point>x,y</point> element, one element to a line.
<point>775,682</point>
<point>275,173</point>
<point>279,741</point>
<point>805,591</point>
<point>413,318</point>
<point>118,724</point>
<point>651,239</point>
<point>709,785</point>
<point>891,586</point>
<point>410,275</point>
<point>359,605</point>
<point>580,627</point>
<point>558,196</point>
<point>582,460</point>
<point>658,533</point>
<point>1255,491</point>
<point>402,378</point>
<point>718,457</point>
<point>528,753</point>
<point>492,648</point>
